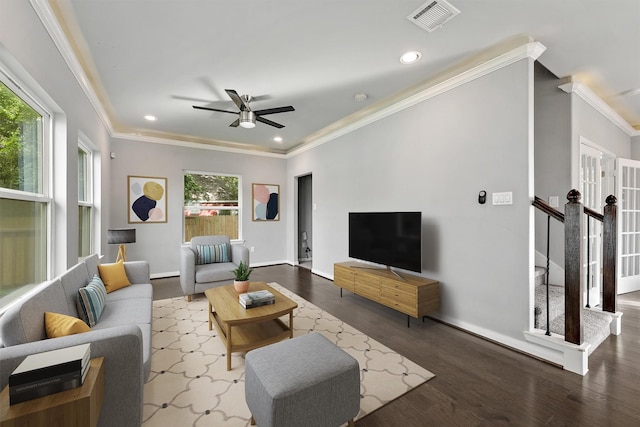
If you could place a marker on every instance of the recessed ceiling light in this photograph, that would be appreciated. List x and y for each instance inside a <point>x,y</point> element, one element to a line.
<point>277,138</point>
<point>410,57</point>
<point>151,118</point>
<point>360,97</point>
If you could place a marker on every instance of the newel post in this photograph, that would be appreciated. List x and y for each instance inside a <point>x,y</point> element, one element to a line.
<point>609,250</point>
<point>573,226</point>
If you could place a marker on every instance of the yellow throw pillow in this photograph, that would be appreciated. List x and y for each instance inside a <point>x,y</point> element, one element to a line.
<point>113,276</point>
<point>61,325</point>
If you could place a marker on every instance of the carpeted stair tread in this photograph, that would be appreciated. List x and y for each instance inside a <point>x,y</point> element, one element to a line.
<point>596,323</point>
<point>556,304</point>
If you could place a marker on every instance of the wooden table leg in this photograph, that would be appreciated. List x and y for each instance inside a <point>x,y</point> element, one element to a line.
<point>210,315</point>
<point>228,347</point>
<point>291,324</point>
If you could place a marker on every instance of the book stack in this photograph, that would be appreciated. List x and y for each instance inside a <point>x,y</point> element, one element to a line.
<point>257,299</point>
<point>49,372</point>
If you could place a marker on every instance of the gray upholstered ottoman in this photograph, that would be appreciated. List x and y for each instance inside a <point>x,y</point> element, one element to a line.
<point>305,381</point>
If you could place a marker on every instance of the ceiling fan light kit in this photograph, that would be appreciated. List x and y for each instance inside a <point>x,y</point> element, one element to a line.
<point>247,119</point>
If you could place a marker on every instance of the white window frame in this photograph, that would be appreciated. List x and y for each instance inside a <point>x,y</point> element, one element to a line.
<point>240,207</point>
<point>13,83</point>
<point>87,147</point>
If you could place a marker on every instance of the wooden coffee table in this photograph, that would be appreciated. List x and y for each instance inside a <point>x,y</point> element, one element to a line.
<point>245,329</point>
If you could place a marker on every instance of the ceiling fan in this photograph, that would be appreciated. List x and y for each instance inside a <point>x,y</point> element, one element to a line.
<point>246,117</point>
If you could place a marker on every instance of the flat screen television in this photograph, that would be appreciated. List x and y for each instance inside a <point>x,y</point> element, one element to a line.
<point>393,239</point>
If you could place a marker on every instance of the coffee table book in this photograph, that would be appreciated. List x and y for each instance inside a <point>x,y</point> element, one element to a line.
<point>256,299</point>
<point>47,386</point>
<point>49,372</point>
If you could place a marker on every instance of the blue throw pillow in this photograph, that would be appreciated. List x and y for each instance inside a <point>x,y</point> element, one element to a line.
<point>91,301</point>
<point>208,254</point>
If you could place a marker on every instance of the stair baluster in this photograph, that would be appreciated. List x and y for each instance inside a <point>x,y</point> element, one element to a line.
<point>548,333</point>
<point>588,260</point>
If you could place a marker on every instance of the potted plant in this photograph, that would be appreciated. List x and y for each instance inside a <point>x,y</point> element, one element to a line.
<point>242,273</point>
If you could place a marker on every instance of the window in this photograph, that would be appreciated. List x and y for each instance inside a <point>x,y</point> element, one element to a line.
<point>85,200</point>
<point>211,205</point>
<point>24,201</point>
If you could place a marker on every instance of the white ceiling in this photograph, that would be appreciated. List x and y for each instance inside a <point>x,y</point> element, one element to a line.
<point>160,57</point>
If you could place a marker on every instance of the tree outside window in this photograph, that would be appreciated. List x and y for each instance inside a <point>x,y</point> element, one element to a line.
<point>23,199</point>
<point>211,205</point>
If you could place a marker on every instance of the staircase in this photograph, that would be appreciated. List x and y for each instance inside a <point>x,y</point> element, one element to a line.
<point>596,323</point>
<point>573,331</point>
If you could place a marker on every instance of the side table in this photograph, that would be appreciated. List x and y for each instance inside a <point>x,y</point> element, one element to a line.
<point>77,407</point>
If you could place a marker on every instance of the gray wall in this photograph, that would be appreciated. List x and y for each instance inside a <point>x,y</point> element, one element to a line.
<point>435,157</point>
<point>159,160</point>
<point>552,156</point>
<point>635,147</point>
<point>562,120</point>
<point>589,123</point>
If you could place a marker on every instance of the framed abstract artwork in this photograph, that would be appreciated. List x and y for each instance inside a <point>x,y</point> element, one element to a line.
<point>147,199</point>
<point>266,202</point>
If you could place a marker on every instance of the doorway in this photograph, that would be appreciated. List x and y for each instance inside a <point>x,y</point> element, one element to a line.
<point>591,190</point>
<point>628,225</point>
<point>305,222</point>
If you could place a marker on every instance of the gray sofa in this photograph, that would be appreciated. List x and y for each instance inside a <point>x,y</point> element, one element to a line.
<point>122,335</point>
<point>195,279</point>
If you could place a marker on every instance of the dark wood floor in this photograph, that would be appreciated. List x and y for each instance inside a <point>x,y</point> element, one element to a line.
<point>479,383</point>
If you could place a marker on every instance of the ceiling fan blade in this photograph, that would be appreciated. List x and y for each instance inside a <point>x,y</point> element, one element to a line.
<point>243,106</point>
<point>197,107</point>
<point>269,122</point>
<point>235,124</point>
<point>274,110</point>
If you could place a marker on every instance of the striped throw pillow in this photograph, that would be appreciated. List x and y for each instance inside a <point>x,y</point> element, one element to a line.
<point>208,254</point>
<point>91,301</point>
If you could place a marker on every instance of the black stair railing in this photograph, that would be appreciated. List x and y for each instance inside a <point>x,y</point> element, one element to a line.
<point>559,216</point>
<point>573,220</point>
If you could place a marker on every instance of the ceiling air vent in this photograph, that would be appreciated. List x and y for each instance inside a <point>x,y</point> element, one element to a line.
<point>433,14</point>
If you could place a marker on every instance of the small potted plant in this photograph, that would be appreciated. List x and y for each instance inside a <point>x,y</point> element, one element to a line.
<point>242,273</point>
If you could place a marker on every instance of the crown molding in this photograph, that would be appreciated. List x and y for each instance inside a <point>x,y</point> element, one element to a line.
<point>531,50</point>
<point>198,145</point>
<point>590,97</point>
<point>51,24</point>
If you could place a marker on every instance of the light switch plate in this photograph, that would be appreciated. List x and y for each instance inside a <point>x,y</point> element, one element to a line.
<point>504,198</point>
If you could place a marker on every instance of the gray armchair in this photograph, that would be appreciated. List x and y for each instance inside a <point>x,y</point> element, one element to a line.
<point>197,278</point>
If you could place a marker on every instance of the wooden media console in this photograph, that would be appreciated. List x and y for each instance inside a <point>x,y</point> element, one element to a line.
<point>413,295</point>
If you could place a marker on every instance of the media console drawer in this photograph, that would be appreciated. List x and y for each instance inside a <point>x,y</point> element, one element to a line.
<point>343,277</point>
<point>413,295</point>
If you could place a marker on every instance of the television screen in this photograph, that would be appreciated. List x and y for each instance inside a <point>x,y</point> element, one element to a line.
<point>389,238</point>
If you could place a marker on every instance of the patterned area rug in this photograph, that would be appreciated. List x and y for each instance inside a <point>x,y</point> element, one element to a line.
<point>190,386</point>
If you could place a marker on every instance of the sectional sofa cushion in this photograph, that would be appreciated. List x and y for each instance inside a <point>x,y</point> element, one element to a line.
<point>60,325</point>
<point>23,322</point>
<point>91,301</point>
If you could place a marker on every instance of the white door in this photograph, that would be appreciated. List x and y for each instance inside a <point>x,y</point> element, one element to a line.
<point>628,194</point>
<point>590,188</point>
